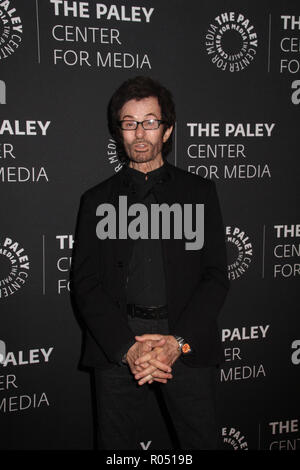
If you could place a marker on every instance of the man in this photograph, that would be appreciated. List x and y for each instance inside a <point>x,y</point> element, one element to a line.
<point>149,305</point>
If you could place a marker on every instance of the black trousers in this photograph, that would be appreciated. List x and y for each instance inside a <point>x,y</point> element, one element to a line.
<point>189,397</point>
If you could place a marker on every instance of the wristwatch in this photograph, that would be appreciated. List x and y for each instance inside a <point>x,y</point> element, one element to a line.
<point>183,346</point>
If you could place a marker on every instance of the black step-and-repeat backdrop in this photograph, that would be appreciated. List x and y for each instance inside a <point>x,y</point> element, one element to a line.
<point>233,68</point>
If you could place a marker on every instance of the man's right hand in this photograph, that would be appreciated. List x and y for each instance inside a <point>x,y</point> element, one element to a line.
<point>161,372</point>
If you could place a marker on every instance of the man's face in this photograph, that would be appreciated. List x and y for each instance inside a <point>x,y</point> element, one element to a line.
<point>143,145</point>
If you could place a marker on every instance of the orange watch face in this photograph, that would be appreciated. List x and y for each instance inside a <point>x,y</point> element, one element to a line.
<point>186,348</point>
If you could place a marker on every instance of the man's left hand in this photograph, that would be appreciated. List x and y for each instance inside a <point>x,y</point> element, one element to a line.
<point>167,353</point>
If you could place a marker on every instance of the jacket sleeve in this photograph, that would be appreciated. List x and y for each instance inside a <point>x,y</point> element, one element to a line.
<point>99,312</point>
<point>198,319</point>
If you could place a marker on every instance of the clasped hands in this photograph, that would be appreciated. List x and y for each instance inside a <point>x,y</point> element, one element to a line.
<point>150,358</point>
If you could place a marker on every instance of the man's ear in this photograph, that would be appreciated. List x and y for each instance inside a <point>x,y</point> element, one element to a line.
<point>167,134</point>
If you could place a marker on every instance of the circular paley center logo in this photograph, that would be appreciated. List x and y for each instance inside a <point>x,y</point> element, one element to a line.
<point>11,29</point>
<point>231,42</point>
<point>112,155</point>
<point>234,438</point>
<point>239,250</point>
<point>14,267</point>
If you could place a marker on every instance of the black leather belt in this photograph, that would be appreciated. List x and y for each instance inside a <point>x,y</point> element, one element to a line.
<point>143,311</point>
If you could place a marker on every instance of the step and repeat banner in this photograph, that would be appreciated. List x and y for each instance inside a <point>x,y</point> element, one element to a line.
<point>234,70</point>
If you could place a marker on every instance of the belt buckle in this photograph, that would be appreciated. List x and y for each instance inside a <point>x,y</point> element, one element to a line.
<point>152,312</point>
<point>156,314</point>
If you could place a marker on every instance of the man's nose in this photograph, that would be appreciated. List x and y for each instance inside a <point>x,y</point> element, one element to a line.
<point>140,131</point>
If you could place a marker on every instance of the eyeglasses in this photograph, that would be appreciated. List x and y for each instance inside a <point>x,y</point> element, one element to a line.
<point>148,124</point>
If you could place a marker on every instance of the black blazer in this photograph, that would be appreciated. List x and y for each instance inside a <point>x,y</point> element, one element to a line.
<point>196,281</point>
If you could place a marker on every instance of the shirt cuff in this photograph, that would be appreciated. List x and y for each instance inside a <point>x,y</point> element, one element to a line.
<point>124,351</point>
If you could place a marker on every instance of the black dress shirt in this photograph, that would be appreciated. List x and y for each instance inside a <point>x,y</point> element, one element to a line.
<point>146,283</point>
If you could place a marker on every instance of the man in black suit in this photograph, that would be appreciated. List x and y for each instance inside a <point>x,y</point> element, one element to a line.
<point>148,297</point>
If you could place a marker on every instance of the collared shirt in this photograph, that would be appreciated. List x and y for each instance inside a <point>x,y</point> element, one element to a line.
<point>146,284</point>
